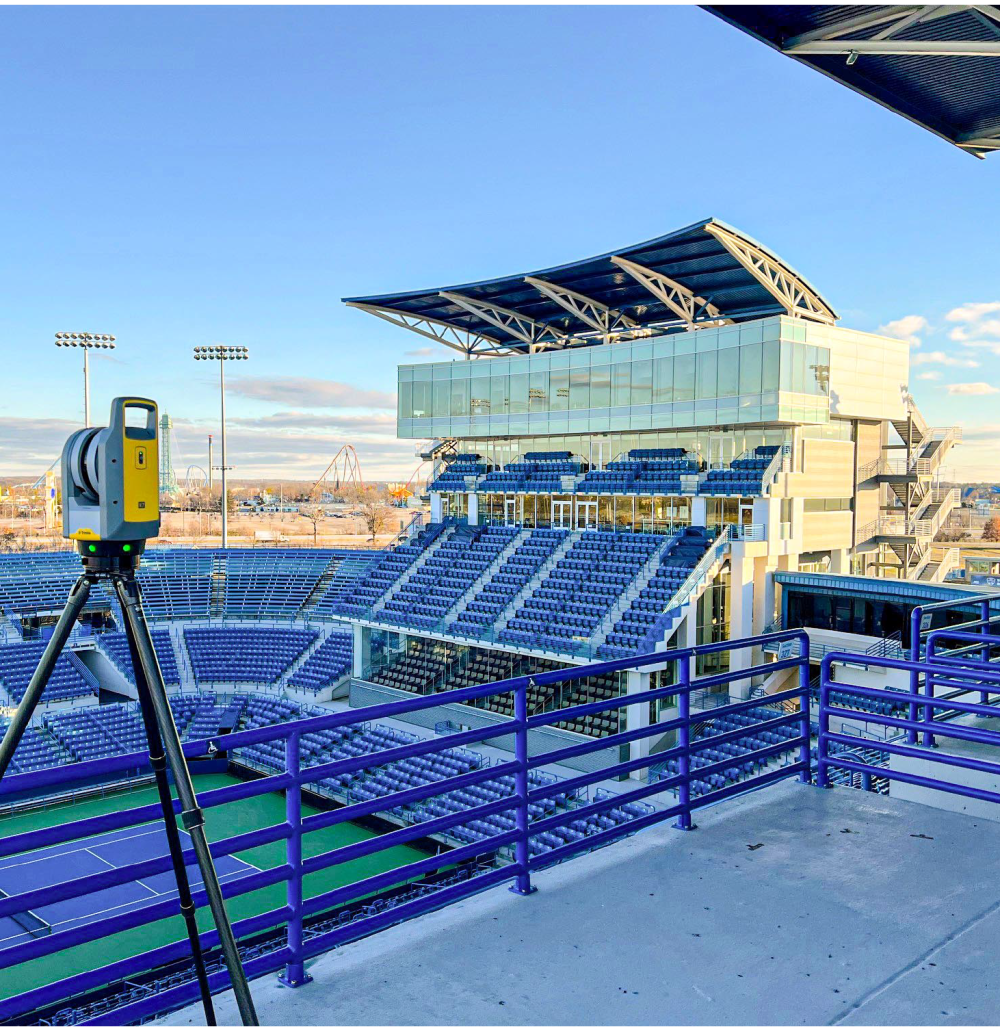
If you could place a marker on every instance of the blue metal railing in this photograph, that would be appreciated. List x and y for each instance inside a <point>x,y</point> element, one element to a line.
<point>924,716</point>
<point>296,775</point>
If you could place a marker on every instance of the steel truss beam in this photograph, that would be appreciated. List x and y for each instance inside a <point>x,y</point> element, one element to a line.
<point>796,297</point>
<point>696,312</point>
<point>592,313</point>
<point>828,39</point>
<point>536,334</point>
<point>466,341</point>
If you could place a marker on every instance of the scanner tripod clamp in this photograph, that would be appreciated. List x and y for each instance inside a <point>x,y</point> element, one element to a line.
<point>110,481</point>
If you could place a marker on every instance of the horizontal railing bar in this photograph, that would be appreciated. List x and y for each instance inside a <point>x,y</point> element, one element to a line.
<point>394,876</point>
<point>364,848</point>
<point>916,780</point>
<point>951,729</point>
<point>915,751</point>
<point>845,658</point>
<point>324,819</point>
<point>905,699</point>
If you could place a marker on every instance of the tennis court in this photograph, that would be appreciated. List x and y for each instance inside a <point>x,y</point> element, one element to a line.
<point>67,861</point>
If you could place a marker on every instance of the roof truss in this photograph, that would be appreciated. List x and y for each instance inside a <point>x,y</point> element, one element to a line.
<point>521,327</point>
<point>798,299</point>
<point>696,312</point>
<point>457,338</point>
<point>591,312</point>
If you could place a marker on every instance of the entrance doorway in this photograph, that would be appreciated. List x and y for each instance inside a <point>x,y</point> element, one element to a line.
<point>586,514</point>
<point>510,511</point>
<point>562,514</point>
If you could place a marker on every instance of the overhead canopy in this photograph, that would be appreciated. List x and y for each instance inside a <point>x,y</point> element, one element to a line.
<point>937,66</point>
<point>706,274</point>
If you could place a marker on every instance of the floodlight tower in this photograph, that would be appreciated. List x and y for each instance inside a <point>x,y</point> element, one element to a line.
<point>87,341</point>
<point>168,477</point>
<point>222,355</point>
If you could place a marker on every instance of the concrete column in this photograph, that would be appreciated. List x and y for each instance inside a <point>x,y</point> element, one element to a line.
<point>637,717</point>
<point>362,650</point>
<point>436,507</point>
<point>741,576</point>
<point>699,510</point>
<point>840,562</point>
<point>473,508</point>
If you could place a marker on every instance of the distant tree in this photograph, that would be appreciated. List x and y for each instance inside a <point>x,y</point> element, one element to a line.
<point>8,540</point>
<point>373,509</point>
<point>991,531</point>
<point>314,514</point>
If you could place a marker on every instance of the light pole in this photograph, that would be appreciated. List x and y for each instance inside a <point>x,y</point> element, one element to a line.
<point>222,355</point>
<point>87,341</point>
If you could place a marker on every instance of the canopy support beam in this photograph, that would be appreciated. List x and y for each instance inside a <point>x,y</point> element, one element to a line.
<point>591,312</point>
<point>696,312</point>
<point>520,326</point>
<point>456,337</point>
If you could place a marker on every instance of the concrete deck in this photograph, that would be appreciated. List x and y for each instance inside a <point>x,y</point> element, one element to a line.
<point>844,912</point>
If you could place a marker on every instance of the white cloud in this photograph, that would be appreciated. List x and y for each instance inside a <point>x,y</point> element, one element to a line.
<point>972,312</point>
<point>906,328</point>
<point>971,389</point>
<point>982,344</point>
<point>421,352</point>
<point>929,376</point>
<point>300,391</point>
<point>940,357</point>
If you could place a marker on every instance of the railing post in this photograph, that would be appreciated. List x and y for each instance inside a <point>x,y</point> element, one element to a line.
<point>522,884</point>
<point>294,973</point>
<point>916,616</point>
<point>805,751</point>
<point>824,724</point>
<point>927,710</point>
<point>984,608</point>
<point>683,742</point>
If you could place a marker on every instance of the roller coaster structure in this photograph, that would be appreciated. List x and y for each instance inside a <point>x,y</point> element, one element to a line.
<point>346,469</point>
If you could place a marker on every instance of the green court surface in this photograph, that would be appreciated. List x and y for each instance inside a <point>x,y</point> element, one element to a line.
<point>227,820</point>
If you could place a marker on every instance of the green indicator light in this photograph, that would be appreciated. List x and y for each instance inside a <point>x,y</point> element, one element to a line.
<point>92,548</point>
<point>126,547</point>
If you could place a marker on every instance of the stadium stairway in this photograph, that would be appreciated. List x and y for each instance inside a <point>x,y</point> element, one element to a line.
<point>217,589</point>
<point>538,577</point>
<point>474,588</point>
<point>413,567</point>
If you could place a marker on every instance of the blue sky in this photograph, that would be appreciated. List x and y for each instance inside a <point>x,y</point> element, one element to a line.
<point>181,176</point>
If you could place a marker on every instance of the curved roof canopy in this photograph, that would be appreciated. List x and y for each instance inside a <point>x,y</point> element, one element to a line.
<point>706,274</point>
<point>938,66</point>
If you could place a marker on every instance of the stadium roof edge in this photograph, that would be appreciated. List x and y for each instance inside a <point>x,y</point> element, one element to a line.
<point>937,66</point>
<point>705,274</point>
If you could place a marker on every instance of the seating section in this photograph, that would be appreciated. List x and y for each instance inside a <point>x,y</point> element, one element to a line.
<point>115,645</point>
<point>271,583</point>
<point>642,615</point>
<point>257,654</point>
<point>656,470</point>
<point>90,733</point>
<point>744,477</point>
<point>506,582</point>
<point>584,585</point>
<point>868,705</point>
<point>327,664</point>
<point>427,596</point>
<point>176,583</point>
<point>69,678</point>
<point>537,472</point>
<point>41,582</point>
<point>38,749</point>
<point>382,576</point>
<point>201,716</point>
<point>452,479</point>
<point>339,581</point>
<point>745,747</point>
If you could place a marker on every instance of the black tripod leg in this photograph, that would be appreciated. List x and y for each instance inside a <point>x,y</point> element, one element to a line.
<point>33,694</point>
<point>158,760</point>
<point>191,813</point>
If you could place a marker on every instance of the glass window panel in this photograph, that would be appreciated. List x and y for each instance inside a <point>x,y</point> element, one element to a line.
<point>405,403</point>
<point>642,382</point>
<point>707,371</point>
<point>498,395</point>
<point>579,389</point>
<point>621,384</point>
<point>772,353</point>
<point>798,369</point>
<point>538,391</point>
<point>600,386</point>
<point>750,368</point>
<point>460,397</point>
<point>480,399</point>
<point>729,373</point>
<point>442,398</point>
<point>663,380</point>
<point>559,389</point>
<point>684,377</point>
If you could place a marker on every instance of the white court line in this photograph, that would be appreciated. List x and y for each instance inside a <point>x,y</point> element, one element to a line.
<point>65,853</point>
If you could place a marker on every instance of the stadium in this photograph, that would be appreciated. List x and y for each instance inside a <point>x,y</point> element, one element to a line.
<point>654,523</point>
<point>676,567</point>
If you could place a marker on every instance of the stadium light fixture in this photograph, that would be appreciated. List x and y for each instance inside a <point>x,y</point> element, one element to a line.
<point>87,341</point>
<point>222,354</point>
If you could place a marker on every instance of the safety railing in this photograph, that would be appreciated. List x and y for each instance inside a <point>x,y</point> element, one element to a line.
<point>918,717</point>
<point>753,533</point>
<point>526,840</point>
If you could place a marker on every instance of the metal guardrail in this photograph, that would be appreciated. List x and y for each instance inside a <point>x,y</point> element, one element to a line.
<point>295,775</point>
<point>755,532</point>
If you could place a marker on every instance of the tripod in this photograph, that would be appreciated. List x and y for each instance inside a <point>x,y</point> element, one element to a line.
<point>164,751</point>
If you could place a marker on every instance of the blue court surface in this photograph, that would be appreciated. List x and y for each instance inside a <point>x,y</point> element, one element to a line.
<point>67,861</point>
